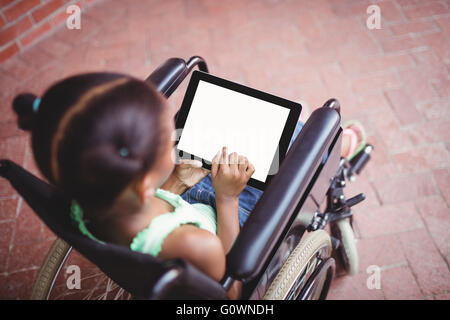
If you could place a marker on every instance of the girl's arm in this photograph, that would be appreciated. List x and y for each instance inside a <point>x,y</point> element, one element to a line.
<point>229,175</point>
<point>185,175</point>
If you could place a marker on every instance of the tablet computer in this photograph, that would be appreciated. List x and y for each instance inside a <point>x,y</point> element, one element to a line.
<point>216,112</point>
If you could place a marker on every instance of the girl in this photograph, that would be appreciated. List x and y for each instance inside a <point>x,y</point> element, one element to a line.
<point>104,139</point>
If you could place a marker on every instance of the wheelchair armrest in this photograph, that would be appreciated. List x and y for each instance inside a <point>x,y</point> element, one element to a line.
<point>168,76</point>
<point>183,280</point>
<point>283,196</point>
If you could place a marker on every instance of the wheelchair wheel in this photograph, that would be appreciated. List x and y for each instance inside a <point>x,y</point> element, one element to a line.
<point>307,273</point>
<point>52,278</point>
<point>347,251</point>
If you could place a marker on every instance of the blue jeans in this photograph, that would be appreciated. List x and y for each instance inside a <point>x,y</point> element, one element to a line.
<point>203,191</point>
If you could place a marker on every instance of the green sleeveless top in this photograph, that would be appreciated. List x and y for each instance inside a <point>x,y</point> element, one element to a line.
<point>150,239</point>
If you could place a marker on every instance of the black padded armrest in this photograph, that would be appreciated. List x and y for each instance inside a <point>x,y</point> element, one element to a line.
<point>168,76</point>
<point>184,281</point>
<point>274,210</point>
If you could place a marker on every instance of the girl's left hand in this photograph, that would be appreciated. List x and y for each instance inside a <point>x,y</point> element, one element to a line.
<point>190,172</point>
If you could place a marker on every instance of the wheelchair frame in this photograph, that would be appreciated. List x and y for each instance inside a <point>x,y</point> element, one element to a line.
<point>289,206</point>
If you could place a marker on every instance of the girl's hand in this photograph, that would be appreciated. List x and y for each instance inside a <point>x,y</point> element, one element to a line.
<point>230,174</point>
<point>190,172</point>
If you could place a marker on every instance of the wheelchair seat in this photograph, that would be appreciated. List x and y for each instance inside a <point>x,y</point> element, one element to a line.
<point>255,245</point>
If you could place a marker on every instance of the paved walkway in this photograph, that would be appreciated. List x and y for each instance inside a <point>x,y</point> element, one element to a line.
<point>395,80</point>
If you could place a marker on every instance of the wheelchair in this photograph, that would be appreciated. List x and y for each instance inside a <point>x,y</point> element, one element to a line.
<point>281,252</point>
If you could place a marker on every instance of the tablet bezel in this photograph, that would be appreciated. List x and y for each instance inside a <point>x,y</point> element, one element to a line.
<point>288,130</point>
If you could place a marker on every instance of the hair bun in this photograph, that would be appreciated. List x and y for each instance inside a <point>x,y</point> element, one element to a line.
<point>23,106</point>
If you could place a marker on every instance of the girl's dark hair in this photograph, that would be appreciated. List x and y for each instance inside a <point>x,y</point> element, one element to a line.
<point>94,134</point>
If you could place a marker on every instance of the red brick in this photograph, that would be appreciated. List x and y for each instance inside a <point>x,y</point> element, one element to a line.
<point>6,235</point>
<point>425,10</point>
<point>20,8</point>
<point>17,285</point>
<point>405,188</point>
<point>388,219</point>
<point>36,58</point>
<point>441,83</point>
<point>28,226</point>
<point>53,46</point>
<point>417,85</point>
<point>436,109</point>
<point>8,52</point>
<point>17,68</point>
<point>382,251</point>
<point>399,284</point>
<point>389,130</point>
<point>14,31</point>
<point>350,8</point>
<point>353,288</point>
<point>12,149</point>
<point>445,296</point>
<point>8,208</point>
<point>409,3</point>
<point>439,42</point>
<point>30,255</point>
<point>35,34</point>
<point>404,108</point>
<point>5,107</point>
<point>380,164</point>
<point>400,44</point>
<point>426,57</point>
<point>390,12</point>
<point>60,18</point>
<point>4,3</point>
<point>357,65</point>
<point>47,9</point>
<point>375,82</point>
<point>429,268</point>
<point>430,132</point>
<point>2,22</point>
<point>422,159</point>
<point>413,27</point>
<point>442,177</point>
<point>4,255</point>
<point>435,213</point>
<point>444,23</point>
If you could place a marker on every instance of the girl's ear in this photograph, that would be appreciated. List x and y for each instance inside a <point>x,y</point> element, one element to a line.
<point>145,188</point>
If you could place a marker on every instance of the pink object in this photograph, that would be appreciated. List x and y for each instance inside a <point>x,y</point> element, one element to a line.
<point>353,141</point>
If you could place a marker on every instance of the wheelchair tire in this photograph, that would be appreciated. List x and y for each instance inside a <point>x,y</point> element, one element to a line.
<point>347,251</point>
<point>313,251</point>
<point>50,268</point>
<point>51,283</point>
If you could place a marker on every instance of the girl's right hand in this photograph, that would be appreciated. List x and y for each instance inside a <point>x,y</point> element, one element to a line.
<point>230,174</point>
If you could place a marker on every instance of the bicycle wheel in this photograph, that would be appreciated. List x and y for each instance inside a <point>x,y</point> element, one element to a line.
<point>52,279</point>
<point>347,251</point>
<point>307,272</point>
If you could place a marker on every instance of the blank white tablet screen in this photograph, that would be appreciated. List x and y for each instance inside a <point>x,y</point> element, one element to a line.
<point>222,117</point>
